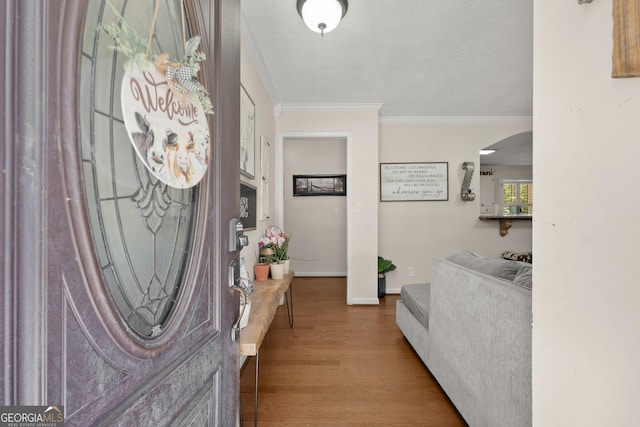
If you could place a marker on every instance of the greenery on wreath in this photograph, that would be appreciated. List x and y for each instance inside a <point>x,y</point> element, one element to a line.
<point>135,48</point>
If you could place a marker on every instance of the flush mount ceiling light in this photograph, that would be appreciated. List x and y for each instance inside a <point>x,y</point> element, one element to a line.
<point>486,152</point>
<point>322,16</point>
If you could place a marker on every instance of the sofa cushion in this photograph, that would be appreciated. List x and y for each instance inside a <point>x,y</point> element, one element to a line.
<point>416,298</point>
<point>501,268</point>
<point>518,256</point>
<point>523,277</point>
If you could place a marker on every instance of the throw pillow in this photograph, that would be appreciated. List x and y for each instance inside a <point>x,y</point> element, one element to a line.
<point>494,267</point>
<point>518,256</point>
<point>524,277</point>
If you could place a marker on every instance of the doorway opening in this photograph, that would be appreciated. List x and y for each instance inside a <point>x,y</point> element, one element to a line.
<point>321,225</point>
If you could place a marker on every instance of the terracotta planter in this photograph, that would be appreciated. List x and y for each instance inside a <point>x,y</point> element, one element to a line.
<point>261,271</point>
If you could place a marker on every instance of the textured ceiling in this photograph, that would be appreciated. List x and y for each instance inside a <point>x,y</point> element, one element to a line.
<point>419,58</point>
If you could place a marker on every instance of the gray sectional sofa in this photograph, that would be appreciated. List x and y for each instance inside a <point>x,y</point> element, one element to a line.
<point>471,326</point>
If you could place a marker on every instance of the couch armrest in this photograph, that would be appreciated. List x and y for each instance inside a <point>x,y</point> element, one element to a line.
<point>480,349</point>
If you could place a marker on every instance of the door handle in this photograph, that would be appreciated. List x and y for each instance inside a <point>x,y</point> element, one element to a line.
<point>234,284</point>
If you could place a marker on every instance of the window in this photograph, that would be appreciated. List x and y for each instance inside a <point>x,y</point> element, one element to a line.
<point>517,197</point>
<point>143,230</point>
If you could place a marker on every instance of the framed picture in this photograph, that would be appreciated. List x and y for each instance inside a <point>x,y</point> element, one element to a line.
<point>319,185</point>
<point>247,135</point>
<point>402,182</point>
<point>248,206</point>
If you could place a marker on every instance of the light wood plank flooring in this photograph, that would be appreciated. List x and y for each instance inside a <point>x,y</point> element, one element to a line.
<point>341,366</point>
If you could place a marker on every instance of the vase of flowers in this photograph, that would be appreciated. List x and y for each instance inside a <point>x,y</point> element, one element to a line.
<point>274,246</point>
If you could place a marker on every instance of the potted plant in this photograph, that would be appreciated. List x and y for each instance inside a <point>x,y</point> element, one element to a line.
<point>384,266</point>
<point>261,270</point>
<point>274,247</point>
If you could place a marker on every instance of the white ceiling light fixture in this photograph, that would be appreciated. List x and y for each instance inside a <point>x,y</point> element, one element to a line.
<point>486,152</point>
<point>322,16</point>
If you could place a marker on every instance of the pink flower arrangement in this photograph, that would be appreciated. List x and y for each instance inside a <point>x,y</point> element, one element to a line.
<point>278,241</point>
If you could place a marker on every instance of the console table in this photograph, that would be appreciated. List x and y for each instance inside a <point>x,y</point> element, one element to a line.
<point>265,300</point>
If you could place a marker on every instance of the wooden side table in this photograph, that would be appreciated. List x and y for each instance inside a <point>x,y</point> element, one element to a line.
<point>265,300</point>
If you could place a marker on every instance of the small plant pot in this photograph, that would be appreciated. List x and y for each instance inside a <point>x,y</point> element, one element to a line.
<point>277,271</point>
<point>382,286</point>
<point>267,252</point>
<point>261,271</point>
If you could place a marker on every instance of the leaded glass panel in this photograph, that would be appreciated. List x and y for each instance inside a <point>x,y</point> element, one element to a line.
<point>142,229</point>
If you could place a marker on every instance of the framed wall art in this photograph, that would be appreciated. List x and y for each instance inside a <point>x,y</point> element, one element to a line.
<point>247,135</point>
<point>402,182</point>
<point>248,206</point>
<point>319,185</point>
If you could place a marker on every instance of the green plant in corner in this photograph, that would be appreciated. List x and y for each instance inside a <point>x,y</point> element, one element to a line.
<point>385,265</point>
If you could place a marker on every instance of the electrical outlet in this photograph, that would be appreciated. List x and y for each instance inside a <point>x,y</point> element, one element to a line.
<point>412,272</point>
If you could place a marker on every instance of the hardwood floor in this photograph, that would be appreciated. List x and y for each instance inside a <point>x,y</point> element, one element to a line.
<point>341,366</point>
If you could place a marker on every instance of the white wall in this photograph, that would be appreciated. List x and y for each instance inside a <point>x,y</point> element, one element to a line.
<point>318,224</point>
<point>586,331</point>
<point>361,128</point>
<point>413,233</point>
<point>265,126</point>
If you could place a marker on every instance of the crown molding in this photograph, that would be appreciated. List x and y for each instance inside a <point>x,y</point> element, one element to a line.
<point>456,119</point>
<point>331,107</point>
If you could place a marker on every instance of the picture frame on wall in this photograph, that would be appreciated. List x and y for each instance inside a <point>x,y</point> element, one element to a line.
<point>248,205</point>
<point>319,185</point>
<point>247,134</point>
<point>408,182</point>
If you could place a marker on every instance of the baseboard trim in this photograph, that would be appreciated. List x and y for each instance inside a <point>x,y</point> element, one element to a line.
<point>320,274</point>
<point>365,301</point>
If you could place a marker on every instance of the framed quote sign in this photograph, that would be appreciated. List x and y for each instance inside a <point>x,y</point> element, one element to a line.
<point>403,182</point>
<point>248,206</point>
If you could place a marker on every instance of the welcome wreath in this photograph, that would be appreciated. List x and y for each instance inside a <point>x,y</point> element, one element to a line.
<point>164,105</point>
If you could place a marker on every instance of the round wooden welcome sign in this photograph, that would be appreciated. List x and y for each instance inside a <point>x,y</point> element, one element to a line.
<point>169,133</point>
